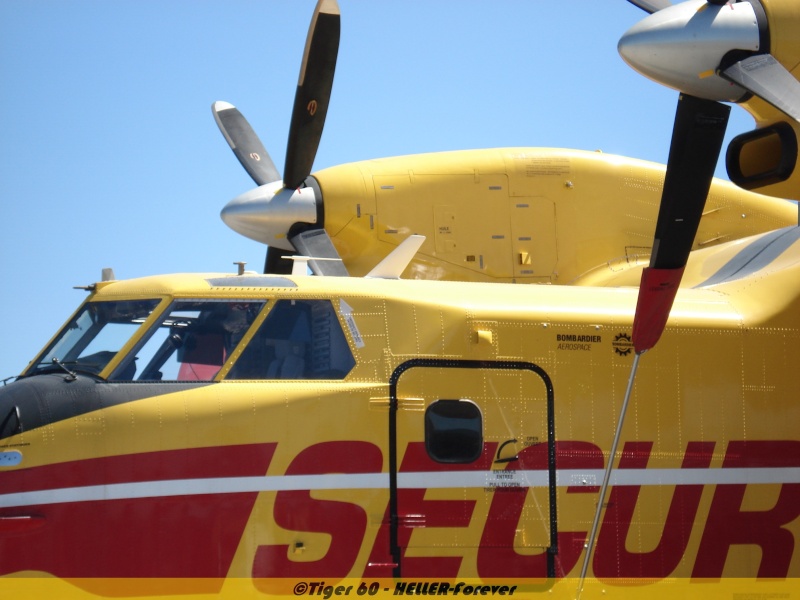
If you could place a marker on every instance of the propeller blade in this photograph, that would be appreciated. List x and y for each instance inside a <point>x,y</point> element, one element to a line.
<point>696,143</point>
<point>317,245</point>
<point>245,143</point>
<point>313,92</point>
<point>651,6</point>
<point>763,76</point>
<point>277,262</point>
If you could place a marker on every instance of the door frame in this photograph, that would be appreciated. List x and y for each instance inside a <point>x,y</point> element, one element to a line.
<point>447,363</point>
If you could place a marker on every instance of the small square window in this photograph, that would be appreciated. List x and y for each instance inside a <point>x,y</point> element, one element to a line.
<point>454,431</point>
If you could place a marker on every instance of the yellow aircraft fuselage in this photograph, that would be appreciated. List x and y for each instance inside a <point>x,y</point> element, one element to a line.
<point>371,437</point>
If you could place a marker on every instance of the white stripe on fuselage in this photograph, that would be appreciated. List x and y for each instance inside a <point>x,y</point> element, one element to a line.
<point>506,478</point>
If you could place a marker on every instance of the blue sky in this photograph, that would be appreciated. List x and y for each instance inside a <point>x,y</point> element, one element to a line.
<point>110,157</point>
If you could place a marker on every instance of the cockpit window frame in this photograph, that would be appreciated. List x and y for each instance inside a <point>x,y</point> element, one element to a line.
<point>255,326</point>
<point>160,303</point>
<point>158,322</point>
<point>299,365</point>
<point>115,370</point>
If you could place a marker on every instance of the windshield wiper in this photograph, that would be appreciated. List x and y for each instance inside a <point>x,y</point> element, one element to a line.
<point>71,375</point>
<point>72,371</point>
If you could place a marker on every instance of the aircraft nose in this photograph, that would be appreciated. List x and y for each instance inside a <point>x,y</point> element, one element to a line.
<point>267,213</point>
<point>683,45</point>
<point>23,402</point>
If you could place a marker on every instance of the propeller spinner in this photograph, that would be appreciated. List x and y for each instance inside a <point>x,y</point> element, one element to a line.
<point>286,213</point>
<point>715,50</point>
<point>710,51</point>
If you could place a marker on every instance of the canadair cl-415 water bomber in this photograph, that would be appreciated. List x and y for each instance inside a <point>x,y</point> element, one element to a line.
<point>511,372</point>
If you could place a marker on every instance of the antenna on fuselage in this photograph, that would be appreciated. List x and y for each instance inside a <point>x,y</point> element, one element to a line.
<point>302,264</point>
<point>398,259</point>
<point>391,267</point>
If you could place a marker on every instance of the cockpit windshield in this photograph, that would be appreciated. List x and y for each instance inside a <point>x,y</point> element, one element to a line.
<point>192,339</point>
<point>94,335</point>
<point>189,342</point>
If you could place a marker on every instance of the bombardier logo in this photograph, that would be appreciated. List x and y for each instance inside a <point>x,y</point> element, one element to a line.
<point>568,341</point>
<point>622,344</point>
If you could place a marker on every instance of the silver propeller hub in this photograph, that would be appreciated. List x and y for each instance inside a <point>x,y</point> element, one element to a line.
<point>683,45</point>
<point>267,213</point>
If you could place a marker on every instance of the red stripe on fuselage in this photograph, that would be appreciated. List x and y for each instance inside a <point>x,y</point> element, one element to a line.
<point>187,463</point>
<point>159,537</point>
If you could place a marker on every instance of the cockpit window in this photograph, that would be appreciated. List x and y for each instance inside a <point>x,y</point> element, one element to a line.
<point>190,342</point>
<point>92,338</point>
<point>299,339</point>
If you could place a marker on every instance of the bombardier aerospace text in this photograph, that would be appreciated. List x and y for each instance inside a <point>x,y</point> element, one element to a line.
<point>629,429</point>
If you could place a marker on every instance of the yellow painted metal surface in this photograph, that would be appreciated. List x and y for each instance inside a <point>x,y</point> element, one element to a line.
<point>721,377</point>
<point>571,213</point>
